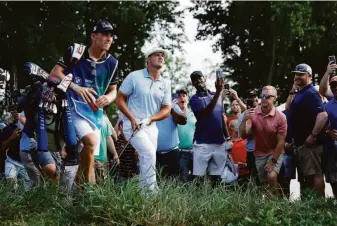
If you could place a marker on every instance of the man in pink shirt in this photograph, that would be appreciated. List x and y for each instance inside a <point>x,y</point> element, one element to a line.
<point>268,126</point>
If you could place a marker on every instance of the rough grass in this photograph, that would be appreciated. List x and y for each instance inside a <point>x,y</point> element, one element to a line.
<point>176,204</point>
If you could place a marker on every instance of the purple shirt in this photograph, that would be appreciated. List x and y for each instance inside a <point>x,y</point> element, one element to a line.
<point>209,129</point>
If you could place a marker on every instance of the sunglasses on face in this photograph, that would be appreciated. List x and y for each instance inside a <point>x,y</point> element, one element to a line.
<point>93,66</point>
<point>266,96</point>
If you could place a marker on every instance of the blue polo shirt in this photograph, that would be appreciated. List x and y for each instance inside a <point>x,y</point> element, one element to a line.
<point>168,138</point>
<point>145,95</point>
<point>209,129</point>
<point>250,143</point>
<point>304,108</point>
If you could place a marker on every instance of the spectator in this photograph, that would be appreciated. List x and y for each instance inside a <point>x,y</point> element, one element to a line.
<point>236,107</point>
<point>251,96</point>
<point>101,164</point>
<point>238,153</point>
<point>324,89</point>
<point>330,154</point>
<point>145,98</point>
<point>168,141</point>
<point>186,133</point>
<point>268,126</point>
<point>307,119</point>
<point>10,145</point>
<point>289,164</point>
<point>210,149</point>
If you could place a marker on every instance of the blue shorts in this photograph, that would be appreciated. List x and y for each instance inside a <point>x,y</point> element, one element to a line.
<point>289,166</point>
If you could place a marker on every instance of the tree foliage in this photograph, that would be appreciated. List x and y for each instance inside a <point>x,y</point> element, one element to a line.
<point>263,41</point>
<point>41,31</point>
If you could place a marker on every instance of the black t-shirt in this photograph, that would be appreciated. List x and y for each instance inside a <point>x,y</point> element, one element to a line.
<point>14,148</point>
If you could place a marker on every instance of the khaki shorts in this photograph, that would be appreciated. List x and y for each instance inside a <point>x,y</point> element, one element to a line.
<point>309,159</point>
<point>261,161</point>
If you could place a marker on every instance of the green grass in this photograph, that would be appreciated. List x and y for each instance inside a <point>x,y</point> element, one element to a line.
<point>176,204</point>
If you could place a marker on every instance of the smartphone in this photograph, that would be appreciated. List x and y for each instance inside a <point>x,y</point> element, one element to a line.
<point>219,74</point>
<point>332,59</point>
<point>175,96</point>
<point>226,86</point>
<point>249,103</point>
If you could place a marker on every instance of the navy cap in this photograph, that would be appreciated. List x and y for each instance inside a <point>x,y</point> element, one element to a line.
<point>179,91</point>
<point>251,92</point>
<point>102,26</point>
<point>196,73</point>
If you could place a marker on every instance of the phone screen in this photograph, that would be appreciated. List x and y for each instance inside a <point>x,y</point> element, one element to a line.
<point>332,59</point>
<point>219,75</point>
<point>226,86</point>
<point>249,103</point>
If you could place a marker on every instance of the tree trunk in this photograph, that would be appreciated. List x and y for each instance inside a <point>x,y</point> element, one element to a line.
<point>14,78</point>
<point>272,63</point>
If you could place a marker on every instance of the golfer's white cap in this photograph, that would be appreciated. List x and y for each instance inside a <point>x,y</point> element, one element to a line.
<point>155,50</point>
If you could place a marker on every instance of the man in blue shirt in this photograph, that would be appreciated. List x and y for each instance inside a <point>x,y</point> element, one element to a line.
<point>210,146</point>
<point>330,150</point>
<point>145,98</point>
<point>307,118</point>
<point>93,72</point>
<point>168,141</point>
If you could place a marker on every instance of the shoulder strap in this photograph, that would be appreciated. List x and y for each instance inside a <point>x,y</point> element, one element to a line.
<point>77,52</point>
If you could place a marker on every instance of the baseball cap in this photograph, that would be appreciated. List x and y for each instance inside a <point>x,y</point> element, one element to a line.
<point>251,92</point>
<point>179,91</point>
<point>303,68</point>
<point>102,26</point>
<point>155,50</point>
<point>196,73</point>
<point>333,79</point>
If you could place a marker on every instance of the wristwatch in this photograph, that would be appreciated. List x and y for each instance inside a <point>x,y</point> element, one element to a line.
<point>274,160</point>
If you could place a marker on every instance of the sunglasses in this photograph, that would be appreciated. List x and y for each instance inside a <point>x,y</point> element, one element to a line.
<point>266,96</point>
<point>93,66</point>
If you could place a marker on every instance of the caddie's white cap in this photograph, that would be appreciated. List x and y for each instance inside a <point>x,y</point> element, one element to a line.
<point>155,50</point>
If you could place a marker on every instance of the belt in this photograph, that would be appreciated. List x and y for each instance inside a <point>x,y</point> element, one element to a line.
<point>186,150</point>
<point>165,152</point>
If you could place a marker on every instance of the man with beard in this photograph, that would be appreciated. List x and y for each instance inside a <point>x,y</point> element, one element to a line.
<point>268,126</point>
<point>145,98</point>
<point>307,118</point>
<point>210,150</point>
<point>251,96</point>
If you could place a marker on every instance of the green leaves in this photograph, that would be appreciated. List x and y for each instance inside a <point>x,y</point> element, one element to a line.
<point>41,31</point>
<point>263,41</point>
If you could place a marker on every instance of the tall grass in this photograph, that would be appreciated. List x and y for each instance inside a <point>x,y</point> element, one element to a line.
<point>176,204</point>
